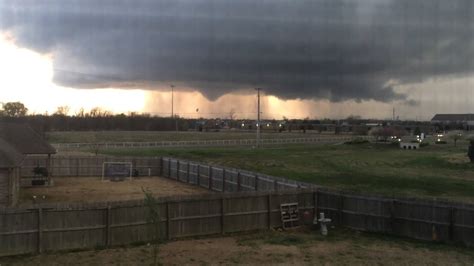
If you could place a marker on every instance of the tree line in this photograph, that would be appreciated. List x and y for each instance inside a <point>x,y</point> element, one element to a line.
<point>94,119</point>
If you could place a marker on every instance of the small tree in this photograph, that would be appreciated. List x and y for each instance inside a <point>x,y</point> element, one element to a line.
<point>455,136</point>
<point>417,131</point>
<point>154,218</point>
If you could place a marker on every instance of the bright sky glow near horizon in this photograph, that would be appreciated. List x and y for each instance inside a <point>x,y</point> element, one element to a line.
<point>316,59</point>
<point>27,76</point>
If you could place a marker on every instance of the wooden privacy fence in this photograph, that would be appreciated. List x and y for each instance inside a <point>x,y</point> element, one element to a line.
<point>53,228</point>
<point>225,179</point>
<point>204,143</point>
<point>48,228</point>
<point>83,166</point>
<point>414,218</point>
<point>252,202</point>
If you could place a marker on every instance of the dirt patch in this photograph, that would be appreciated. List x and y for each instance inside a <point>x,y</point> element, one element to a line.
<point>85,189</point>
<point>342,248</point>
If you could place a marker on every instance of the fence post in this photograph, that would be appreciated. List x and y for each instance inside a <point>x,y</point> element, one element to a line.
<point>187,174</point>
<point>452,222</point>
<point>223,180</point>
<point>169,168</point>
<point>210,178</point>
<point>392,216</point>
<point>177,170</point>
<point>168,221</point>
<point>77,167</point>
<point>341,209</point>
<point>161,166</point>
<point>222,215</point>
<point>239,182</point>
<point>256,182</point>
<point>269,214</point>
<point>198,175</point>
<point>315,203</point>
<point>40,230</point>
<point>107,226</point>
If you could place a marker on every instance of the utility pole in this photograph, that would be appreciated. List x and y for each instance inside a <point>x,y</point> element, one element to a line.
<point>172,100</point>
<point>258,117</point>
<point>172,107</point>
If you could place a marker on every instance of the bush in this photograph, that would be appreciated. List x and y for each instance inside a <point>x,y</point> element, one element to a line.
<point>356,141</point>
<point>40,171</point>
<point>424,144</point>
<point>441,142</point>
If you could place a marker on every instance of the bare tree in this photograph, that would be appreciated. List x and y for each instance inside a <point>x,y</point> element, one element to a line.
<point>81,113</point>
<point>98,112</point>
<point>62,110</point>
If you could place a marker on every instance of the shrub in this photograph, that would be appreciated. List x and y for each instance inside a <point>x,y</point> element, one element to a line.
<point>357,141</point>
<point>441,142</point>
<point>424,144</point>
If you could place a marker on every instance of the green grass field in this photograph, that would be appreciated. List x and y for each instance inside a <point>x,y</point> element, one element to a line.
<point>148,136</point>
<point>442,171</point>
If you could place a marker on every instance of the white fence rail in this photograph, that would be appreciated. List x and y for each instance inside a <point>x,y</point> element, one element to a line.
<point>204,143</point>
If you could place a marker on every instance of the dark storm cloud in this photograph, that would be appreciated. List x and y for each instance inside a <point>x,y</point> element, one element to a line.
<point>332,49</point>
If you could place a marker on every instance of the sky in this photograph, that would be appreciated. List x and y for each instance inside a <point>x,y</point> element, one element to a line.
<point>312,58</point>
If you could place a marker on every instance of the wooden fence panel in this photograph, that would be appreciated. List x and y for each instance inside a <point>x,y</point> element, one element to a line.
<point>247,181</point>
<point>367,214</point>
<point>217,178</point>
<point>18,232</point>
<point>173,173</point>
<point>231,179</point>
<point>245,214</point>
<point>422,221</point>
<point>182,171</point>
<point>193,173</point>
<point>330,204</point>
<point>204,176</point>
<point>88,166</point>
<point>462,223</point>
<point>130,224</point>
<point>195,218</point>
<point>73,229</point>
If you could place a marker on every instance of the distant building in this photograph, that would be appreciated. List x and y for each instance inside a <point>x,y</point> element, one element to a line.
<point>16,142</point>
<point>10,162</point>
<point>465,121</point>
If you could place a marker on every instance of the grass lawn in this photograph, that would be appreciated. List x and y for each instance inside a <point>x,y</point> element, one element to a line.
<point>301,247</point>
<point>440,171</point>
<point>148,136</point>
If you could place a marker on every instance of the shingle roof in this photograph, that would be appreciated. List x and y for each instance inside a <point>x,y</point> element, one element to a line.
<point>453,117</point>
<point>24,139</point>
<point>9,156</point>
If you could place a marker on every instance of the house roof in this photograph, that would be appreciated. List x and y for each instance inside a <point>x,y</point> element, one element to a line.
<point>9,156</point>
<point>24,139</point>
<point>453,117</point>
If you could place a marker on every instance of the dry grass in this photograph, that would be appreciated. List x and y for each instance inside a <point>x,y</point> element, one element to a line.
<point>342,247</point>
<point>87,189</point>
